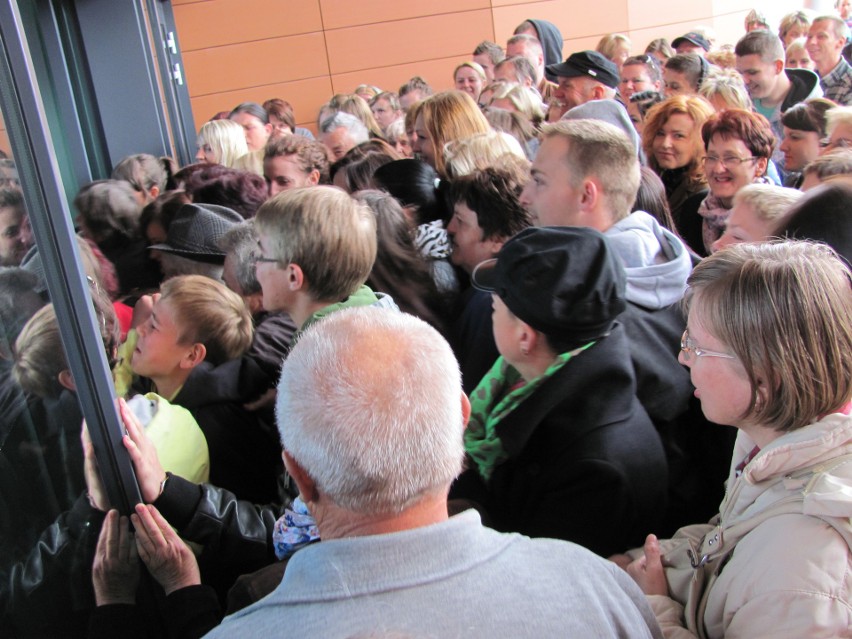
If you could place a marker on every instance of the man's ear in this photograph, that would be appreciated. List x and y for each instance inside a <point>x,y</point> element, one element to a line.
<point>590,194</point>
<point>314,177</point>
<point>307,487</point>
<point>465,406</point>
<point>66,380</point>
<point>598,92</point>
<point>779,67</point>
<point>494,245</point>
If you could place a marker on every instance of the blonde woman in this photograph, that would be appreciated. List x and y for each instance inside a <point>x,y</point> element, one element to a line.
<point>470,78</point>
<point>441,118</point>
<point>671,139</point>
<point>615,47</point>
<point>221,142</point>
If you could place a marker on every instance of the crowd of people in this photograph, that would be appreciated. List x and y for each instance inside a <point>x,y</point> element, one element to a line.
<point>561,351</point>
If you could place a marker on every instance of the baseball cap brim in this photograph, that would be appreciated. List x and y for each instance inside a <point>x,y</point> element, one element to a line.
<point>484,276</point>
<point>564,70</point>
<point>210,258</point>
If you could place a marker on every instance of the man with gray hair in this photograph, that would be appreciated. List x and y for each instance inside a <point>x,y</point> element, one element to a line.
<point>272,331</point>
<point>374,465</point>
<point>516,70</point>
<point>341,132</point>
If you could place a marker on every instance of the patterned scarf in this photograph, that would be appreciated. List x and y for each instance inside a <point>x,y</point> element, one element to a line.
<point>716,216</point>
<point>499,393</point>
<point>294,529</point>
<point>432,241</point>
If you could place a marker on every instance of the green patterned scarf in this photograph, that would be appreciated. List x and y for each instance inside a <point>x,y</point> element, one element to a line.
<point>497,395</point>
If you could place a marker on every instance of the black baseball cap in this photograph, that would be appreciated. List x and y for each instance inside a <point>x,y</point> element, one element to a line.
<point>588,64</point>
<point>693,37</point>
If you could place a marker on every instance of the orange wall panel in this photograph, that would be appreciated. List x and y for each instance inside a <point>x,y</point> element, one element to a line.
<point>406,41</point>
<point>306,96</point>
<point>609,16</point>
<point>221,22</point>
<point>579,44</point>
<point>645,14</point>
<point>438,73</point>
<point>255,64</point>
<point>346,13</point>
<point>508,15</point>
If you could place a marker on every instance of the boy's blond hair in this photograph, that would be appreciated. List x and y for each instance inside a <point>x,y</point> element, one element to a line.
<point>330,236</point>
<point>208,313</point>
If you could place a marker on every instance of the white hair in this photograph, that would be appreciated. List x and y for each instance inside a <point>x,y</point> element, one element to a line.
<point>357,129</point>
<point>837,116</point>
<point>479,151</point>
<point>227,140</point>
<point>769,202</point>
<point>369,405</point>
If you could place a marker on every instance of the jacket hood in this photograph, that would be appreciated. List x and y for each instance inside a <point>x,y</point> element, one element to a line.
<point>805,86</point>
<point>551,42</point>
<point>611,112</point>
<point>657,262</point>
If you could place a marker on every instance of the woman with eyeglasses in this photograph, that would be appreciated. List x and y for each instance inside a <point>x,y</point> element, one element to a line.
<point>768,338</point>
<point>838,129</point>
<point>737,147</point>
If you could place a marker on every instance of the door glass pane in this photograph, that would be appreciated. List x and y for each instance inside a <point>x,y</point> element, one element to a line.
<point>47,529</point>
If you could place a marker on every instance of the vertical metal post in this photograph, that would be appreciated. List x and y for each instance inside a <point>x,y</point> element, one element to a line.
<point>32,147</point>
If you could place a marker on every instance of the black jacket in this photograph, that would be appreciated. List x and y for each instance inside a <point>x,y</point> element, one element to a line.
<point>472,337</point>
<point>585,462</point>
<point>245,452</point>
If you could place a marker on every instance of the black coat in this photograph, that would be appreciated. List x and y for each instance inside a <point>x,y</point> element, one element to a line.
<point>472,337</point>
<point>245,452</point>
<point>585,462</point>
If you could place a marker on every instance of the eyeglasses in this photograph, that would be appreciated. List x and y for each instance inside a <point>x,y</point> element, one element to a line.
<point>840,143</point>
<point>257,257</point>
<point>688,346</point>
<point>729,163</point>
<point>642,59</point>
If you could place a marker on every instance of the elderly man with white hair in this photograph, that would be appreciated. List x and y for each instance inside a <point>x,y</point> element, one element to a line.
<point>341,132</point>
<point>371,416</point>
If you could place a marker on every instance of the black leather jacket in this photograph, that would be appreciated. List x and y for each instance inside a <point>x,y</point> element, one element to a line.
<point>236,534</point>
<point>47,592</point>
